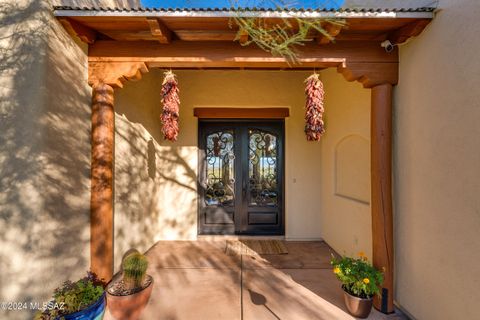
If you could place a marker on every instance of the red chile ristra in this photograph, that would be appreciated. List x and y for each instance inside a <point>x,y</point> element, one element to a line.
<point>314,127</point>
<point>171,103</point>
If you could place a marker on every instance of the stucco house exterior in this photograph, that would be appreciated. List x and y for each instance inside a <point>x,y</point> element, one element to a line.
<point>427,148</point>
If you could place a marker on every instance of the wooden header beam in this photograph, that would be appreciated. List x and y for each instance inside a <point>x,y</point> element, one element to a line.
<point>367,63</point>
<point>241,113</point>
<point>231,54</point>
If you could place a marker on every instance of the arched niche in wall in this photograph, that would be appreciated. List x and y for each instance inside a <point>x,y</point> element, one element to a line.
<point>352,168</point>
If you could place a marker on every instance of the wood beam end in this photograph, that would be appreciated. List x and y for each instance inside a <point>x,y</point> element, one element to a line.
<point>75,28</point>
<point>159,30</point>
<point>243,37</point>
<point>331,31</point>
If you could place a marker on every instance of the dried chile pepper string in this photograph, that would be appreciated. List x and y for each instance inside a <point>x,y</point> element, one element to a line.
<point>314,126</point>
<point>171,102</point>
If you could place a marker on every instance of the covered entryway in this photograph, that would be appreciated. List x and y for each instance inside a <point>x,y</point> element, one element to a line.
<point>241,177</point>
<point>125,44</point>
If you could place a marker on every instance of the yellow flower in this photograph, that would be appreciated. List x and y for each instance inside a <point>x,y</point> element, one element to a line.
<point>366,280</point>
<point>362,255</point>
<point>336,270</point>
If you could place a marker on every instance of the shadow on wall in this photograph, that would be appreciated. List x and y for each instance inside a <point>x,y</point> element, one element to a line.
<point>44,155</point>
<point>352,178</point>
<point>155,180</point>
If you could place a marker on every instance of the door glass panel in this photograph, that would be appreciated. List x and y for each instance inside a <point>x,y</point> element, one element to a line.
<point>262,168</point>
<point>220,160</point>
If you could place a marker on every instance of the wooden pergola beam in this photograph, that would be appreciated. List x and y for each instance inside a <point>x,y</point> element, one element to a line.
<point>243,37</point>
<point>159,30</point>
<point>367,63</point>
<point>332,31</point>
<point>231,54</point>
<point>241,113</point>
<point>75,28</point>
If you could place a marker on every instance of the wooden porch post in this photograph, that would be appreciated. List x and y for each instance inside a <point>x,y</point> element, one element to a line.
<point>103,77</point>
<point>381,186</point>
<point>101,224</point>
<point>380,77</point>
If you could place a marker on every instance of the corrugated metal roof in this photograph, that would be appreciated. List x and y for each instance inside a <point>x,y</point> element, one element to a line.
<point>251,9</point>
<point>423,12</point>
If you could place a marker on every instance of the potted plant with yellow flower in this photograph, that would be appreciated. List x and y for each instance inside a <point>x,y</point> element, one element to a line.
<point>360,283</point>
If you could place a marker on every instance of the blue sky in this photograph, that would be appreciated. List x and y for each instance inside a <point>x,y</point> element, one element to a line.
<point>243,3</point>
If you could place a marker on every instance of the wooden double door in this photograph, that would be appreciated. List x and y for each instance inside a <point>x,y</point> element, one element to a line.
<point>241,168</point>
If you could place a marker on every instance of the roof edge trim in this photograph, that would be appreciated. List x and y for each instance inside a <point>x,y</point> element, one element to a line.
<point>256,14</point>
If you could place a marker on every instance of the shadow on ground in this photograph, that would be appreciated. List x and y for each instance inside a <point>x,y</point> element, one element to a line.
<point>197,280</point>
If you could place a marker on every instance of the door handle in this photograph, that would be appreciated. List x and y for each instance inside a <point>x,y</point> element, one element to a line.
<point>244,187</point>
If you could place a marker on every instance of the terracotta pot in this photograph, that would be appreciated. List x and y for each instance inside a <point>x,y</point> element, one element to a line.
<point>358,307</point>
<point>129,307</point>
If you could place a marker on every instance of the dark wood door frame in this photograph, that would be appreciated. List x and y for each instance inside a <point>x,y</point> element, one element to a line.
<point>242,213</point>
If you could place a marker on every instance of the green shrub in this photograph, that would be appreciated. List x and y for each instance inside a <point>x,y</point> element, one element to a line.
<point>73,296</point>
<point>134,270</point>
<point>358,276</point>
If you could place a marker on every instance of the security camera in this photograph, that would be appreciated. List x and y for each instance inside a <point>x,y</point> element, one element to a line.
<point>387,45</point>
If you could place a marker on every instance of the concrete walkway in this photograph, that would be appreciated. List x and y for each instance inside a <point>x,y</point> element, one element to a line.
<point>197,280</point>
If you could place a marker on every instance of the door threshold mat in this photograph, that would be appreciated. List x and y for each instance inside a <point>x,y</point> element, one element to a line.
<point>255,247</point>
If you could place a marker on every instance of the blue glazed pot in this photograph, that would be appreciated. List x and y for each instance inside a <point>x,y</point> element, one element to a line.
<point>93,312</point>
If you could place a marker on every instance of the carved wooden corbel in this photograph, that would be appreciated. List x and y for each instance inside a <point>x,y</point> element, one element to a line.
<point>370,74</point>
<point>115,73</point>
<point>410,30</point>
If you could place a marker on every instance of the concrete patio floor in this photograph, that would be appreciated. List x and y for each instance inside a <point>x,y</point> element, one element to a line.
<point>197,280</point>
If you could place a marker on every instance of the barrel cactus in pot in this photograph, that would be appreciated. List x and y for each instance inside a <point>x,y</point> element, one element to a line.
<point>129,292</point>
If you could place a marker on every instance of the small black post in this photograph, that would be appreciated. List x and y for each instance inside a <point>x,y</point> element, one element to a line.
<point>384,307</point>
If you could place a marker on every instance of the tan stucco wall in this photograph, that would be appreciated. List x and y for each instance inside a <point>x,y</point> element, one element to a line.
<point>44,155</point>
<point>155,182</point>
<point>437,161</point>
<point>345,157</point>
